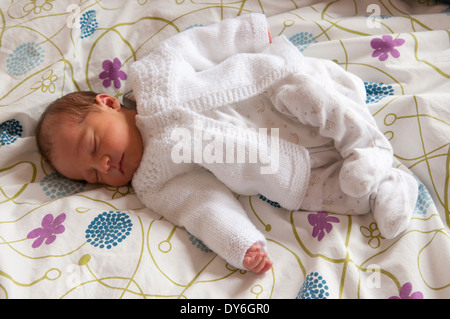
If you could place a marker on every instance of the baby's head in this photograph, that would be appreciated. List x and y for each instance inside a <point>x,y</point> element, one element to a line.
<point>91,137</point>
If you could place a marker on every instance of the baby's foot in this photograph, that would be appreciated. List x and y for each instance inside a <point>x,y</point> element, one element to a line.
<point>363,170</point>
<point>394,203</point>
<point>256,260</point>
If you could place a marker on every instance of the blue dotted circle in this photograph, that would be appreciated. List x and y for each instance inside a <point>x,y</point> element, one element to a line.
<point>272,203</point>
<point>198,243</point>
<point>24,58</point>
<point>314,287</point>
<point>302,40</point>
<point>424,200</point>
<point>10,131</point>
<point>193,26</point>
<point>109,229</point>
<point>55,185</point>
<point>88,22</point>
<point>377,91</point>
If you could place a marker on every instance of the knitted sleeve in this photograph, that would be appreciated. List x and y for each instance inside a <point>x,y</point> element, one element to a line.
<point>204,47</point>
<point>208,210</point>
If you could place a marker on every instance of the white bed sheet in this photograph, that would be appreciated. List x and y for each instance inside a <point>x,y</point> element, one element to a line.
<point>66,239</point>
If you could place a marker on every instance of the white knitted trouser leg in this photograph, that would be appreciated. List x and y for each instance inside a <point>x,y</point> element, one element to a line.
<point>332,100</point>
<point>326,97</point>
<point>325,192</point>
<point>392,201</point>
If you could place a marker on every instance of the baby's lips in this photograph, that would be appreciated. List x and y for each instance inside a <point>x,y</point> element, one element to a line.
<point>121,164</point>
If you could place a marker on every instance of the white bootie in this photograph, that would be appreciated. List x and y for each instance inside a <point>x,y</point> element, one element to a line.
<point>364,169</point>
<point>394,203</point>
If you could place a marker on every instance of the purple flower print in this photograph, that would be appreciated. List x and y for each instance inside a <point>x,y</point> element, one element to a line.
<point>321,222</point>
<point>405,293</point>
<point>384,46</point>
<point>112,73</point>
<point>50,228</point>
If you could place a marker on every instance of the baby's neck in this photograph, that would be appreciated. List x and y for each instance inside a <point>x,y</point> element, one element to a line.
<point>130,115</point>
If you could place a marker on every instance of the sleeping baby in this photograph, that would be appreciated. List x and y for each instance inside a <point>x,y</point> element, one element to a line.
<point>224,110</point>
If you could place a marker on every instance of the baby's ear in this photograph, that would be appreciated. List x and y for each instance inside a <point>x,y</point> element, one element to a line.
<point>108,101</point>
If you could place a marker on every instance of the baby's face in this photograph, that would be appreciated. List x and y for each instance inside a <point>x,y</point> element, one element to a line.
<point>105,148</point>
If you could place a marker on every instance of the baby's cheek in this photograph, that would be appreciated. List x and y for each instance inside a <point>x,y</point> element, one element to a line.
<point>117,140</point>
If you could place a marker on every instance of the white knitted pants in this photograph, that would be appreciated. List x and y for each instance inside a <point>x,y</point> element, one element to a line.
<point>354,174</point>
<point>324,192</point>
<point>392,200</point>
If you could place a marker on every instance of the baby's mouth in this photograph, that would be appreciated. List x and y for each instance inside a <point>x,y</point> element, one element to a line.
<point>121,164</point>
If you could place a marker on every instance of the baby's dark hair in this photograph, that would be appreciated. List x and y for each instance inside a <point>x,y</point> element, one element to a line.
<point>76,106</point>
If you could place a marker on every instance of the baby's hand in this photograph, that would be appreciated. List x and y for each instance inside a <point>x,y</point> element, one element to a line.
<point>256,260</point>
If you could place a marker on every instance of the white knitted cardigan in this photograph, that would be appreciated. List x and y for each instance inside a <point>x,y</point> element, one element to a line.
<point>192,72</point>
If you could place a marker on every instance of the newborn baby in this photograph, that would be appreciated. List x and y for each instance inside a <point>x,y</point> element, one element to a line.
<point>225,109</point>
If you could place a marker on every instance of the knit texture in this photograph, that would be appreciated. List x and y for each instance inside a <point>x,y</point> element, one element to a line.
<point>188,74</point>
<point>207,68</point>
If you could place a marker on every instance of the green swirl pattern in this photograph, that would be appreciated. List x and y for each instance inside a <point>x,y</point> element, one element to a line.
<point>61,239</point>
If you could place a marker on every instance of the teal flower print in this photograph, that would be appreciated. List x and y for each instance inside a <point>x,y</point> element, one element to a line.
<point>193,26</point>
<point>10,131</point>
<point>302,40</point>
<point>272,203</point>
<point>314,287</point>
<point>424,200</point>
<point>109,229</point>
<point>377,91</point>
<point>55,185</point>
<point>198,243</point>
<point>24,58</point>
<point>88,23</point>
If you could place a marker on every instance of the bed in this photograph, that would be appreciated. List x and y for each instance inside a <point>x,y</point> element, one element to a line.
<point>66,239</point>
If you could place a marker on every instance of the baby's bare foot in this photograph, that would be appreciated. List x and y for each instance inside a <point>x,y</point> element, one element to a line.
<point>256,260</point>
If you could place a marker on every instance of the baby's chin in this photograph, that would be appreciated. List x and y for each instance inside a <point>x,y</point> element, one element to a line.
<point>119,183</point>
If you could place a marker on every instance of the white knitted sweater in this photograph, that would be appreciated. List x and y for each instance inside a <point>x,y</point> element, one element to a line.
<point>193,72</point>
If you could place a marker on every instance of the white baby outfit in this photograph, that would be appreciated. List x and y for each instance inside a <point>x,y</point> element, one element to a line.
<point>219,83</point>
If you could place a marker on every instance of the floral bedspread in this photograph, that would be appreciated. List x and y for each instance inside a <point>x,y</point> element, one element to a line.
<point>66,239</point>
